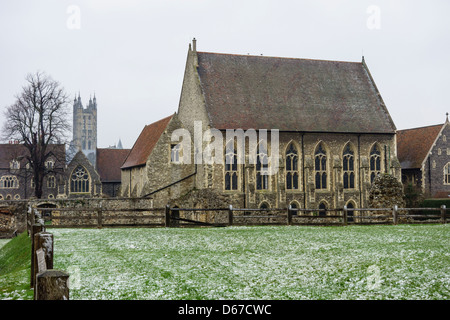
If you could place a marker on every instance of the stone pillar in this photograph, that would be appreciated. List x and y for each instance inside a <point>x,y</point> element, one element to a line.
<point>52,285</point>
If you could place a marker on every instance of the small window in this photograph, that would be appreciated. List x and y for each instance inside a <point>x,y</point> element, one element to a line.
<point>49,164</point>
<point>175,153</point>
<point>14,165</point>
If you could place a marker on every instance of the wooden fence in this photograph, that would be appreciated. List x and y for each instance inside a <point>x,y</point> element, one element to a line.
<point>186,217</point>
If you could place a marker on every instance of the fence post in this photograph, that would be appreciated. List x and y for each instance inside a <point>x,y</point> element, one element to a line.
<point>52,285</point>
<point>395,214</point>
<point>230,215</point>
<point>35,228</point>
<point>42,240</point>
<point>99,217</point>
<point>167,216</point>
<point>345,215</point>
<point>443,209</point>
<point>289,215</point>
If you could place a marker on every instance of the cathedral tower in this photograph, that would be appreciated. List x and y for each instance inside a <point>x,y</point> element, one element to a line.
<point>85,127</point>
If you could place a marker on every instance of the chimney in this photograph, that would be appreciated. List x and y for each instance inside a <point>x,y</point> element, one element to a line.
<point>194,45</point>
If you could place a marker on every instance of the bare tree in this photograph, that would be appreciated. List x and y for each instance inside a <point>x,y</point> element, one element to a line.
<point>39,120</point>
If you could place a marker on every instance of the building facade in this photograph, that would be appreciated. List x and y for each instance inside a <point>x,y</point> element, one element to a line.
<point>334,135</point>
<point>424,155</point>
<point>16,177</point>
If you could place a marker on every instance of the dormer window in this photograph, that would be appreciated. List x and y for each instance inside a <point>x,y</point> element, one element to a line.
<point>14,165</point>
<point>49,164</point>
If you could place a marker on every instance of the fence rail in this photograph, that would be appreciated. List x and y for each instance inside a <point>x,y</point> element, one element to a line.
<point>180,217</point>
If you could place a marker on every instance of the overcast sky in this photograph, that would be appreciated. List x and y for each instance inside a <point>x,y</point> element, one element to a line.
<point>132,53</point>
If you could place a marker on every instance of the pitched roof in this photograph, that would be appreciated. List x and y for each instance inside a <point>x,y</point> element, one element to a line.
<point>243,91</point>
<point>413,145</point>
<point>109,162</point>
<point>10,151</point>
<point>145,143</point>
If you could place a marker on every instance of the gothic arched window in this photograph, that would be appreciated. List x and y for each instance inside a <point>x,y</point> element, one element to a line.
<point>231,167</point>
<point>348,167</point>
<point>447,173</point>
<point>9,182</point>
<point>262,165</point>
<point>79,180</point>
<point>320,166</point>
<point>375,162</point>
<point>291,168</point>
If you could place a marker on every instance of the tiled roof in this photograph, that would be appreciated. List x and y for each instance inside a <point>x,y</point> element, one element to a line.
<point>145,143</point>
<point>243,91</point>
<point>413,145</point>
<point>109,162</point>
<point>8,152</point>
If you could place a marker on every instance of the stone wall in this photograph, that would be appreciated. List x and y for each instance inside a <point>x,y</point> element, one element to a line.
<point>13,218</point>
<point>433,169</point>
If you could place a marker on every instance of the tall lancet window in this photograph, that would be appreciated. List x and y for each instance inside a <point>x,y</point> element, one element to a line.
<point>348,166</point>
<point>231,167</point>
<point>262,177</point>
<point>291,168</point>
<point>375,162</point>
<point>320,166</point>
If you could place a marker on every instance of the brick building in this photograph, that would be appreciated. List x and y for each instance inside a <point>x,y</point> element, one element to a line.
<point>335,135</point>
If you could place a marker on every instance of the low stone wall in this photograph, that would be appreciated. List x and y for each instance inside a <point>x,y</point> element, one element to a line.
<point>13,218</point>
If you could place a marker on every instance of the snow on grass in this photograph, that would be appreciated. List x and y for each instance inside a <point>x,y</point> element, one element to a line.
<point>273,262</point>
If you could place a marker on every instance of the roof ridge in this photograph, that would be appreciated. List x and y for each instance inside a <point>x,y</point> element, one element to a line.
<point>277,57</point>
<point>423,127</point>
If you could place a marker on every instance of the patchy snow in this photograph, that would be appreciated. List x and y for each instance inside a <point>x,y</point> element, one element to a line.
<point>274,262</point>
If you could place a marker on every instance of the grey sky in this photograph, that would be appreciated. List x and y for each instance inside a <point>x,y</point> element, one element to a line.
<point>132,53</point>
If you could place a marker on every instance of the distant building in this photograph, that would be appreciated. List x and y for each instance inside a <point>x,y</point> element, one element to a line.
<point>16,177</point>
<point>85,128</point>
<point>424,155</point>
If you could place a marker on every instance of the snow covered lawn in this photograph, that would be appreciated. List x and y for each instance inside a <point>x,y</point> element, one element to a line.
<point>273,262</point>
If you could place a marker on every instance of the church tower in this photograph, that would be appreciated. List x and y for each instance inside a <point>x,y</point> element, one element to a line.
<point>85,128</point>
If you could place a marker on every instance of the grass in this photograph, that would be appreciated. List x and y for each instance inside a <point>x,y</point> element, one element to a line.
<point>271,262</point>
<point>15,261</point>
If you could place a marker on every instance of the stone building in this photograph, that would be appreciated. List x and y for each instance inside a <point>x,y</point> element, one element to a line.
<point>424,155</point>
<point>334,135</point>
<point>85,128</point>
<point>16,177</point>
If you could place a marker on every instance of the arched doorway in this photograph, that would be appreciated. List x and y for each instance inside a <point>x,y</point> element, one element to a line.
<point>350,212</point>
<point>323,209</point>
